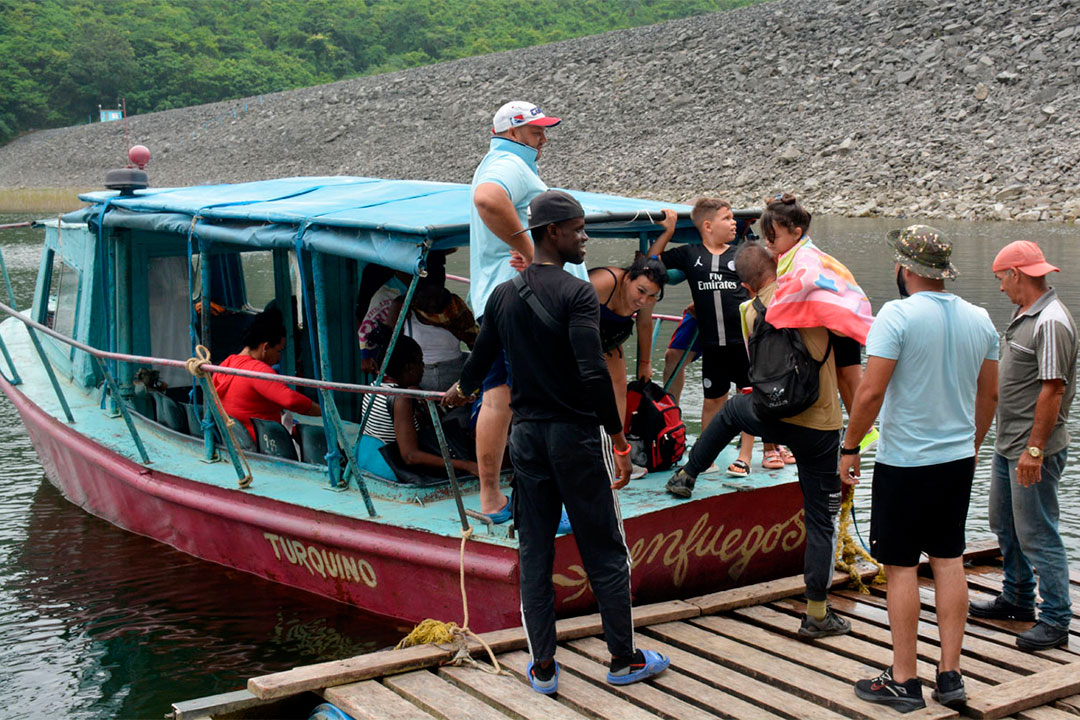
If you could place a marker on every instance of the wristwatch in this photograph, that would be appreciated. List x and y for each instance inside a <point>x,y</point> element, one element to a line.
<point>846,451</point>
<point>1035,452</point>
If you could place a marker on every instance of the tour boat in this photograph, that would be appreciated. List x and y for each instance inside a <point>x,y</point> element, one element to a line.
<point>96,370</point>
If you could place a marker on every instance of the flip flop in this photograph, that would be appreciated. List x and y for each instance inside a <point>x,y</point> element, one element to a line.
<point>772,460</point>
<point>503,515</point>
<point>655,663</point>
<point>738,469</point>
<point>547,687</point>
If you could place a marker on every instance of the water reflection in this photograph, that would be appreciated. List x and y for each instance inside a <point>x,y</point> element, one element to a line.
<point>99,623</point>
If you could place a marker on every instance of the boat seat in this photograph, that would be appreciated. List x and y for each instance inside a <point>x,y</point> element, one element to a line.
<point>143,403</point>
<point>274,439</point>
<point>313,446</point>
<point>170,414</point>
<point>194,420</point>
<point>242,437</point>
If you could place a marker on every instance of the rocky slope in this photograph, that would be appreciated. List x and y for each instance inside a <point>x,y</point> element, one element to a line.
<point>952,108</point>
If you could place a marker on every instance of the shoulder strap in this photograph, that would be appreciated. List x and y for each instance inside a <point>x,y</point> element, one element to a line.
<point>614,287</point>
<point>525,293</point>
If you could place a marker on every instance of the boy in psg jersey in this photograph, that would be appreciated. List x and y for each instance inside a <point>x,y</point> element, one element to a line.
<point>714,286</point>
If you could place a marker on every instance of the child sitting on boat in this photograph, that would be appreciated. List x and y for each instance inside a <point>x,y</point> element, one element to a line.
<point>397,421</point>
<point>246,398</point>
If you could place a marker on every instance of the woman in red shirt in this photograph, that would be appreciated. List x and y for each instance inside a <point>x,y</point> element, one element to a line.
<point>245,398</point>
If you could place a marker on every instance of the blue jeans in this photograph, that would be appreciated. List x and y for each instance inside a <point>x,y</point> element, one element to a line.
<point>817,456</point>
<point>1025,520</point>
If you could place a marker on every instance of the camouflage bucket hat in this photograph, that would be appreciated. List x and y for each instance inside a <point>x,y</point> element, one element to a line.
<point>922,250</point>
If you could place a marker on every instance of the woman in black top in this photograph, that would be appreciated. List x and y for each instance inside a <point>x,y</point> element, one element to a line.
<point>624,293</point>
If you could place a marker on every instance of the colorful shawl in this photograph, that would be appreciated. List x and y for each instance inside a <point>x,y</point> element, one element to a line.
<point>816,290</point>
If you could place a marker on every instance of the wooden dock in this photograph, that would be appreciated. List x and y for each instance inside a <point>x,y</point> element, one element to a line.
<point>734,654</point>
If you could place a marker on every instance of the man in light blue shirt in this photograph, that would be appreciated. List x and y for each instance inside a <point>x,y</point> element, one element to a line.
<point>932,374</point>
<point>503,184</point>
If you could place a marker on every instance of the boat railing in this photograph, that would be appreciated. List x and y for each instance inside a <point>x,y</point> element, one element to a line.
<point>659,319</point>
<point>199,367</point>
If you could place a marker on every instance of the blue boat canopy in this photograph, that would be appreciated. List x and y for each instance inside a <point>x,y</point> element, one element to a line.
<point>382,221</point>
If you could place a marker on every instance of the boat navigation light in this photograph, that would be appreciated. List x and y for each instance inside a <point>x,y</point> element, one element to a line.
<point>139,155</point>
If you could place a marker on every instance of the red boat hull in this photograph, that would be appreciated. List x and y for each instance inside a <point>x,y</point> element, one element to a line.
<point>408,574</point>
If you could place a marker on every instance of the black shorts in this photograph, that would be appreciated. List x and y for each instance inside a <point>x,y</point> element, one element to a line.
<point>721,366</point>
<point>919,509</point>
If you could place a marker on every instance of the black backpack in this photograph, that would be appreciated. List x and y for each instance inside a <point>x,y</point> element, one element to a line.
<point>783,374</point>
<point>654,426</point>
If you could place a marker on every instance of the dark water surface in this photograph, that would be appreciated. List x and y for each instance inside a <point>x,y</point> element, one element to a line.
<point>98,623</point>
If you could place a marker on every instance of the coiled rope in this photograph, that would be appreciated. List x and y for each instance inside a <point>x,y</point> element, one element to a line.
<point>449,634</point>
<point>195,367</point>
<point>848,553</point>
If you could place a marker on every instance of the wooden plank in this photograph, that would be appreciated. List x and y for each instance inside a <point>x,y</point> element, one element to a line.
<point>216,705</point>
<point>874,636</point>
<point>758,593</point>
<point>369,700</point>
<point>439,698</point>
<point>587,698</point>
<point>648,696</point>
<point>814,686</point>
<point>1045,712</point>
<point>1028,692</point>
<point>708,684</point>
<point>855,647</point>
<point>373,665</point>
<point>1069,704</point>
<point>982,641</point>
<point>508,695</point>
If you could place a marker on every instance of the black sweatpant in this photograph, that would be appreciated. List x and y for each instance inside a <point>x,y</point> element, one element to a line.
<point>557,464</point>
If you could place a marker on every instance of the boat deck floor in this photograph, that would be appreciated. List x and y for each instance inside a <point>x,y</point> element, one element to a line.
<point>734,654</point>
<point>308,486</point>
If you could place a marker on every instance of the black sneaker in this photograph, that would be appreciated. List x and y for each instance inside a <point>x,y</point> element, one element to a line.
<point>831,624</point>
<point>681,484</point>
<point>903,697</point>
<point>950,689</point>
<point>1042,637</point>
<point>1000,609</point>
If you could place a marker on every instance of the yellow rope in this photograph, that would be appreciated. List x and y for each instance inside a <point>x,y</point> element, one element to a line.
<point>848,552</point>
<point>194,366</point>
<point>436,632</point>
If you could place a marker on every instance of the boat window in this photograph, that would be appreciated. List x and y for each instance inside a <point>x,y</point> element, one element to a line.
<point>169,313</point>
<point>258,278</point>
<point>63,298</point>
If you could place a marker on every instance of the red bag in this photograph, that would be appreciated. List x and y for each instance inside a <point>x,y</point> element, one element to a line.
<point>653,426</point>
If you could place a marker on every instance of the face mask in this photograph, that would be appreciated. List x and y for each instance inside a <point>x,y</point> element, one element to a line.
<point>900,284</point>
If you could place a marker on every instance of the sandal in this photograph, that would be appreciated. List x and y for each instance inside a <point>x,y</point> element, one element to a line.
<point>786,455</point>
<point>772,460</point>
<point>651,663</point>
<point>739,468</point>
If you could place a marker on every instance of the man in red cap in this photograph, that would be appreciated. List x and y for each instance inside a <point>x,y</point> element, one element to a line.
<point>503,185</point>
<point>1036,388</point>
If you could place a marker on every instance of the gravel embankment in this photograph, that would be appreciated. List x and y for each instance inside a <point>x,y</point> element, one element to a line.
<point>959,108</point>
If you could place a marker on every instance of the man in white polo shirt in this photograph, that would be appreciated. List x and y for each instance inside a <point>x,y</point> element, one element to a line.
<point>503,184</point>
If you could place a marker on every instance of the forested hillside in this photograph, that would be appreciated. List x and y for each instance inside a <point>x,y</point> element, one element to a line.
<point>60,59</point>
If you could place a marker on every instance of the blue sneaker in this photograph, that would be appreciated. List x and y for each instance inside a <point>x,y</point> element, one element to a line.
<point>547,687</point>
<point>647,663</point>
<point>564,524</point>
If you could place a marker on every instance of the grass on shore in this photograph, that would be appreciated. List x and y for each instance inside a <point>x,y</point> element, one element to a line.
<point>40,200</point>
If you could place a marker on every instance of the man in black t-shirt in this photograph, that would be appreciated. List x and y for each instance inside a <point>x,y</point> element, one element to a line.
<point>714,286</point>
<point>566,444</point>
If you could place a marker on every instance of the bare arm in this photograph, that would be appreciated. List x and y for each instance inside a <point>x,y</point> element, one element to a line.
<point>986,397</point>
<point>644,323</point>
<point>498,214</point>
<point>668,223</point>
<point>847,380</point>
<point>867,405</point>
<point>1029,469</point>
<point>409,444</point>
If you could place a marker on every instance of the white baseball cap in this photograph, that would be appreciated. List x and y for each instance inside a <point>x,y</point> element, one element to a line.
<point>517,113</point>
